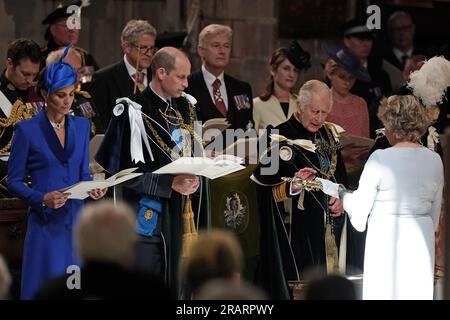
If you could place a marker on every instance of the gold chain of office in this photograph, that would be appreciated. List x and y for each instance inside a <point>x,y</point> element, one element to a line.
<point>19,112</point>
<point>177,121</point>
<point>333,147</point>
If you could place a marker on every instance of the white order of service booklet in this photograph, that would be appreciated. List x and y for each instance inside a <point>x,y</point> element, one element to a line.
<point>81,189</point>
<point>202,166</point>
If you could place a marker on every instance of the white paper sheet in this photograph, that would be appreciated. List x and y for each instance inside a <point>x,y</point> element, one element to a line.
<point>81,189</point>
<point>202,166</point>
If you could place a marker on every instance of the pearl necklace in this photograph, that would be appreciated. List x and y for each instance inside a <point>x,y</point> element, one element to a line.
<point>57,126</point>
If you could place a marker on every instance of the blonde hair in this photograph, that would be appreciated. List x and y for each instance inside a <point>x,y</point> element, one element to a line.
<point>216,254</point>
<point>405,117</point>
<point>57,54</point>
<point>105,232</point>
<point>213,30</point>
<point>330,68</point>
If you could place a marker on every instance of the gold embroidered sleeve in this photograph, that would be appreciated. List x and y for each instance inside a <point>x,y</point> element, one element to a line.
<point>279,192</point>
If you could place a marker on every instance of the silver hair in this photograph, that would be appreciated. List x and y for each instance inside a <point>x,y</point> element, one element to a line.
<point>308,89</point>
<point>56,55</point>
<point>136,28</point>
<point>212,30</point>
<point>98,224</point>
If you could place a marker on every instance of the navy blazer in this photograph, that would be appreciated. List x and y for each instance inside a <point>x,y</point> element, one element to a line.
<point>37,152</point>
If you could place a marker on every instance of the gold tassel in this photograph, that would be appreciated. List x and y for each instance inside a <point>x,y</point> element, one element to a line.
<point>331,251</point>
<point>189,232</point>
<point>137,68</point>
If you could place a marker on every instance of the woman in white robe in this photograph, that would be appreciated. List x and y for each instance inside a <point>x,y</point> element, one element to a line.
<point>399,199</point>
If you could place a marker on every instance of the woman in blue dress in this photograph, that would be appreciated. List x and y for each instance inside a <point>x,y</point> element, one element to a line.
<point>53,149</point>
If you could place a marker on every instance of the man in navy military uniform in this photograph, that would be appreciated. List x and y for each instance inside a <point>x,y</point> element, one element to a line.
<point>18,95</point>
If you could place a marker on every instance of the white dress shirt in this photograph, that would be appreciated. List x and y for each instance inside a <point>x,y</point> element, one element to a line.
<point>399,54</point>
<point>131,71</point>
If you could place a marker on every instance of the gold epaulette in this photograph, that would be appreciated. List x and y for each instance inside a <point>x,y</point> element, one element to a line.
<point>85,94</point>
<point>80,49</point>
<point>336,130</point>
<point>279,192</point>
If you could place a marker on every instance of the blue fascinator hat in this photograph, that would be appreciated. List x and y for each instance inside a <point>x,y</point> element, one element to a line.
<point>348,61</point>
<point>60,74</point>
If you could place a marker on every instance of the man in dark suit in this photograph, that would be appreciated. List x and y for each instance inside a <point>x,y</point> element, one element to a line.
<point>122,79</point>
<point>18,96</point>
<point>401,33</point>
<point>401,30</point>
<point>107,265</point>
<point>218,94</point>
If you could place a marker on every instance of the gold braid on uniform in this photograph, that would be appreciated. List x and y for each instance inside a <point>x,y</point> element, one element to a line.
<point>325,148</point>
<point>172,120</point>
<point>308,185</point>
<point>19,112</point>
<point>279,192</point>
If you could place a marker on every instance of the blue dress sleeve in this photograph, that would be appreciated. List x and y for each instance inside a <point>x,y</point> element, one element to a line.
<point>17,165</point>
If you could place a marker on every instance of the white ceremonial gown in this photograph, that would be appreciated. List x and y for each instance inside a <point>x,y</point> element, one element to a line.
<point>399,197</point>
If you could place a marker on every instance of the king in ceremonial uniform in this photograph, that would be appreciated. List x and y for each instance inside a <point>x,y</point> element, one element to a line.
<point>300,227</point>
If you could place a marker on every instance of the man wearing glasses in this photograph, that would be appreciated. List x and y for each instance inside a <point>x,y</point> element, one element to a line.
<point>401,30</point>
<point>129,75</point>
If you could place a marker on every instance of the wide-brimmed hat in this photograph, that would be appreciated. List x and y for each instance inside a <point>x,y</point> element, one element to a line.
<point>59,13</point>
<point>346,59</point>
<point>297,56</point>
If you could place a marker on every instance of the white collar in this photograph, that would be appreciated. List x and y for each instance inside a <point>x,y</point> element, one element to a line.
<point>210,78</point>
<point>399,54</point>
<point>131,70</point>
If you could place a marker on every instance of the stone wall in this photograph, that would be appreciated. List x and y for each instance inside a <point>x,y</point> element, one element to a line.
<point>255,26</point>
<point>255,37</point>
<point>101,23</point>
